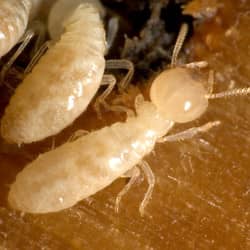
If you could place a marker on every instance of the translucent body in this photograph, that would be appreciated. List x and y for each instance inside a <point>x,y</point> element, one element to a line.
<point>60,178</point>
<point>14,16</point>
<point>178,96</point>
<point>61,10</point>
<point>62,84</point>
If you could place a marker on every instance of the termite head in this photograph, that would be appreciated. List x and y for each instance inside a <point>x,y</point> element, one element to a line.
<point>178,96</point>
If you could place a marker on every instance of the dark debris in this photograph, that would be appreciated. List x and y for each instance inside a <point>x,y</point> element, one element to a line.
<point>155,26</point>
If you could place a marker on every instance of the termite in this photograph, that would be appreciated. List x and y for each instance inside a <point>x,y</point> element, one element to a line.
<point>64,81</point>
<point>14,18</point>
<point>60,178</point>
<point>62,9</point>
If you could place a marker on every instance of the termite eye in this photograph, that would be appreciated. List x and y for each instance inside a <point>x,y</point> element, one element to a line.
<point>177,96</point>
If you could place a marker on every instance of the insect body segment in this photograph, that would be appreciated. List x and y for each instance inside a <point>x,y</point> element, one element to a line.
<point>63,9</point>
<point>62,84</point>
<point>14,15</point>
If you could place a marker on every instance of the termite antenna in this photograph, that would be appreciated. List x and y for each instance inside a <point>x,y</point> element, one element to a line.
<point>179,42</point>
<point>229,93</point>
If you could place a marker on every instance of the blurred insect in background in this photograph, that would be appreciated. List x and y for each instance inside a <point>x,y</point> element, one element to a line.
<point>65,79</point>
<point>60,178</point>
<point>14,18</point>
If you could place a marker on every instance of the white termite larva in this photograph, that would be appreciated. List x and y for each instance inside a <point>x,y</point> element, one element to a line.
<point>14,17</point>
<point>61,84</point>
<point>60,178</point>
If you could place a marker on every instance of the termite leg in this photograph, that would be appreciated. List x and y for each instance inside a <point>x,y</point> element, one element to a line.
<point>119,108</point>
<point>195,65</point>
<point>122,64</point>
<point>39,53</point>
<point>139,100</point>
<point>39,30</point>
<point>36,28</point>
<point>110,81</point>
<point>178,45</point>
<point>133,174</point>
<point>151,182</point>
<point>25,41</point>
<point>77,134</point>
<point>53,143</point>
<point>189,133</point>
<point>112,29</point>
<point>210,82</point>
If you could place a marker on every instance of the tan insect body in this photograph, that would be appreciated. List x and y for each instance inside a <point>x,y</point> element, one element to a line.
<point>62,84</point>
<point>60,178</point>
<point>61,10</point>
<point>14,16</point>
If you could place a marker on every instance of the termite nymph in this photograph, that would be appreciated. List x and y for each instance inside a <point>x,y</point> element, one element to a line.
<point>62,177</point>
<point>64,81</point>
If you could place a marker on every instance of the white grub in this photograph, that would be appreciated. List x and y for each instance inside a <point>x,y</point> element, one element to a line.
<point>61,84</point>
<point>60,178</point>
<point>14,17</point>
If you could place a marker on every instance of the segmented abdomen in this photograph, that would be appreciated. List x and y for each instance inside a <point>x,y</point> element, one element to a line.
<point>14,15</point>
<point>60,178</point>
<point>62,84</point>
